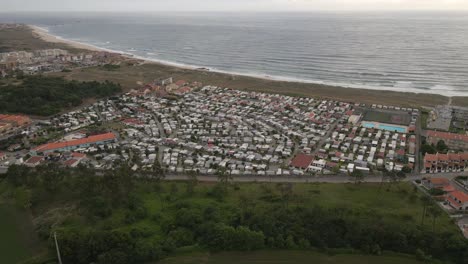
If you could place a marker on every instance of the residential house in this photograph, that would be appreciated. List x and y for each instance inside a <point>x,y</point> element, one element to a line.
<point>301,161</point>
<point>458,200</point>
<point>437,163</point>
<point>75,144</point>
<point>452,140</point>
<point>34,161</point>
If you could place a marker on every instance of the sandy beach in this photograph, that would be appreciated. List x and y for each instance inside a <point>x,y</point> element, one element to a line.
<point>46,36</point>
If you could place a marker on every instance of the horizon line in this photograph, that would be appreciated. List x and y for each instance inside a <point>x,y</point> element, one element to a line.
<point>245,11</point>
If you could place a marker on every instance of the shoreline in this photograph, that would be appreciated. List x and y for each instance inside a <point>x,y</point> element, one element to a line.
<point>45,35</point>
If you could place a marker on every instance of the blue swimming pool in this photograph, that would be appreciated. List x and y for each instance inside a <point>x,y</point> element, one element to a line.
<point>384,127</point>
<point>368,125</point>
<point>392,128</point>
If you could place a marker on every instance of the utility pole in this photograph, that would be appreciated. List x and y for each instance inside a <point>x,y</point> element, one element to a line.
<point>57,247</point>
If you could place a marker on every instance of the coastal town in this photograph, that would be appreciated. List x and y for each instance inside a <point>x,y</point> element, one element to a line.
<point>190,127</point>
<point>186,127</point>
<point>50,60</point>
<point>110,157</point>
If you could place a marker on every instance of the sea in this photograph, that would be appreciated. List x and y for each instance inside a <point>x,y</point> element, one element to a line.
<point>421,52</point>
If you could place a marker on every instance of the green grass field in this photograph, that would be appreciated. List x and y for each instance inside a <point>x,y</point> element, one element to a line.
<point>283,257</point>
<point>399,204</point>
<point>18,241</point>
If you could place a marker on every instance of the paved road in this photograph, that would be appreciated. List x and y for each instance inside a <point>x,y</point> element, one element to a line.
<point>417,153</point>
<point>322,141</point>
<point>305,179</point>
<point>300,179</point>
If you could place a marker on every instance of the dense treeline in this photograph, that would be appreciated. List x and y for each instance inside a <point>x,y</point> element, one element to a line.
<point>40,95</point>
<point>107,218</point>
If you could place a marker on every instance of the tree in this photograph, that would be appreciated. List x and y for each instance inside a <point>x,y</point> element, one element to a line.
<point>18,175</point>
<point>428,149</point>
<point>434,212</point>
<point>224,179</point>
<point>406,169</point>
<point>224,237</point>
<point>357,175</point>
<point>51,176</point>
<point>191,183</point>
<point>336,169</point>
<point>289,242</point>
<point>119,184</point>
<point>426,201</point>
<point>385,177</point>
<point>23,197</point>
<point>41,95</point>
<point>245,203</point>
<point>173,190</point>
<point>441,146</point>
<point>393,177</point>
<point>400,176</point>
<point>182,237</point>
<point>286,191</point>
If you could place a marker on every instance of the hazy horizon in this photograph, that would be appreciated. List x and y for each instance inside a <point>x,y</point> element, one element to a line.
<point>230,6</point>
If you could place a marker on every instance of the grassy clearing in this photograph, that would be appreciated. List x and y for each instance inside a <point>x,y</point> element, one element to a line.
<point>17,241</point>
<point>424,119</point>
<point>399,203</point>
<point>283,257</point>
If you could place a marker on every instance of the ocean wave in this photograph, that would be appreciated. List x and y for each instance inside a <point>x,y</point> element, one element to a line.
<point>373,81</point>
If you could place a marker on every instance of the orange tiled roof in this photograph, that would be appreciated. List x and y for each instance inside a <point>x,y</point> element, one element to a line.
<point>454,156</point>
<point>78,155</point>
<point>34,159</point>
<point>447,135</point>
<point>76,142</point>
<point>461,196</point>
<point>70,162</point>
<point>180,82</point>
<point>17,119</point>
<point>430,157</point>
<point>302,161</point>
<point>439,181</point>
<point>448,188</point>
<point>445,157</point>
<point>442,157</point>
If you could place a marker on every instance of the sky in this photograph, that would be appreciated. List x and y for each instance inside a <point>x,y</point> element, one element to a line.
<point>231,5</point>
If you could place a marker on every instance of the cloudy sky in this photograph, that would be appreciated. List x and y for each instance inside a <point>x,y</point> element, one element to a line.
<point>229,5</point>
